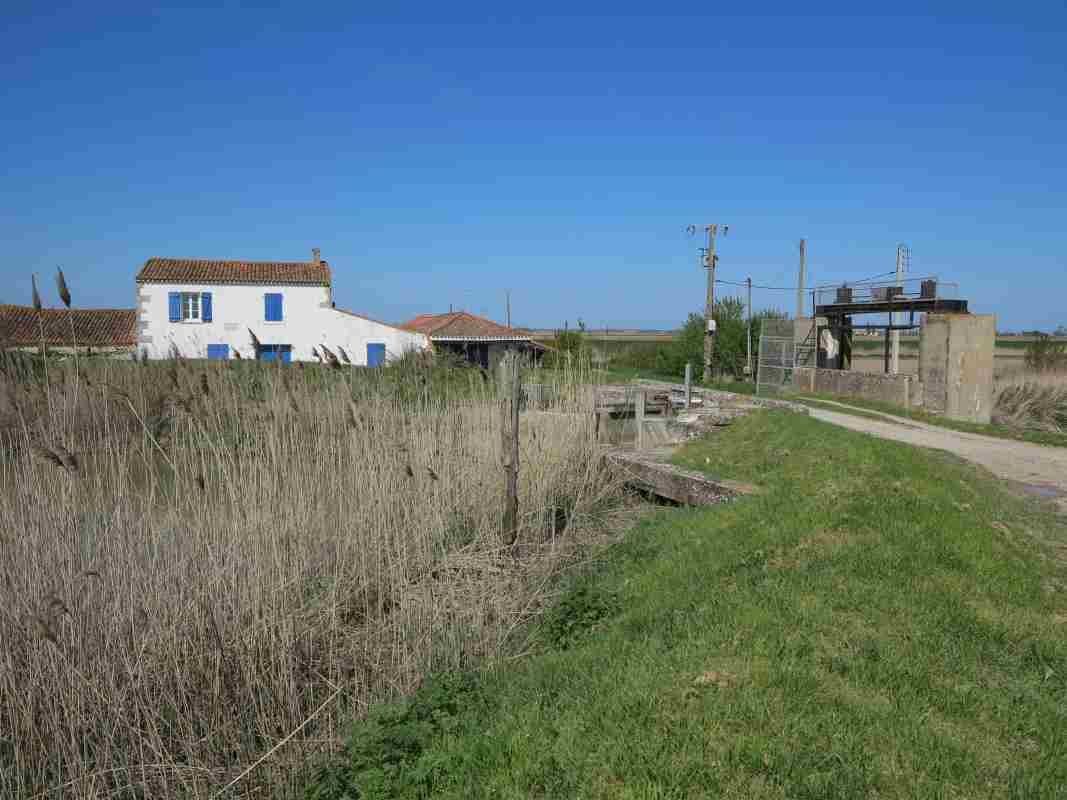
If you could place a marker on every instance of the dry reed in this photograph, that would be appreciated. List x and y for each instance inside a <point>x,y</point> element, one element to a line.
<point>1032,401</point>
<point>196,559</point>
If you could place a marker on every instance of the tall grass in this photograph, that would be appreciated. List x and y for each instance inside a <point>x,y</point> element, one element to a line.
<point>1033,400</point>
<point>211,567</point>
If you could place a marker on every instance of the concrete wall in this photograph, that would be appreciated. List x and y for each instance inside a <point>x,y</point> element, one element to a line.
<point>956,364</point>
<point>308,320</point>
<point>899,390</point>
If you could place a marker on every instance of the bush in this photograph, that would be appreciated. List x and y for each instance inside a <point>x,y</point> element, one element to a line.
<point>730,352</point>
<point>1045,354</point>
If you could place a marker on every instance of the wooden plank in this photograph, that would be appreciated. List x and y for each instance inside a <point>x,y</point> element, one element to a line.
<point>674,483</point>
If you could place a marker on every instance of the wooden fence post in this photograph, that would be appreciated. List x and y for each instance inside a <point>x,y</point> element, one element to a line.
<point>639,417</point>
<point>510,447</point>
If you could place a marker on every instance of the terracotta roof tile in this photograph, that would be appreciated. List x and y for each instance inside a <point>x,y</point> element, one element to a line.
<point>462,325</point>
<point>207,270</point>
<point>21,326</point>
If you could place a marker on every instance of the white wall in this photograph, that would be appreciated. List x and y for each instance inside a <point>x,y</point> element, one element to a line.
<point>308,320</point>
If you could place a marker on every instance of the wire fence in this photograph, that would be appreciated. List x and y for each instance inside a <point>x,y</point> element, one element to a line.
<point>775,363</point>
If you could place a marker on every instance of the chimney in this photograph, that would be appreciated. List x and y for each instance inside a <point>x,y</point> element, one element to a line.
<point>315,256</point>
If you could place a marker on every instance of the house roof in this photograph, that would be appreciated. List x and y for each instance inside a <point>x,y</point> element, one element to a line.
<point>459,326</point>
<point>22,326</point>
<point>208,270</point>
<point>348,313</point>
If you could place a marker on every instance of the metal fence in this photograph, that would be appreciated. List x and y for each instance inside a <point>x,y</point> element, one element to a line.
<point>775,363</point>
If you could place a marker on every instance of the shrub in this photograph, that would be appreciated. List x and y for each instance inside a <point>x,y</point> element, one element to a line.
<point>1044,354</point>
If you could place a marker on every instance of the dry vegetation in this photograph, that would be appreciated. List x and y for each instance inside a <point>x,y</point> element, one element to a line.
<point>206,567</point>
<point>1034,400</point>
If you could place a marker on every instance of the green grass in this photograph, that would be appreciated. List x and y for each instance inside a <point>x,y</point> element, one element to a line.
<point>992,429</point>
<point>881,621</point>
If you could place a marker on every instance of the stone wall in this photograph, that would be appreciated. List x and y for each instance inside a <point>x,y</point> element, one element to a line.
<point>905,391</point>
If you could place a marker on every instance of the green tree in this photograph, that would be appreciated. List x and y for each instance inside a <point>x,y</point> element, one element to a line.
<point>730,350</point>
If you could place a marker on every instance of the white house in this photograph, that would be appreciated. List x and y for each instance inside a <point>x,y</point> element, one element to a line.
<point>202,308</point>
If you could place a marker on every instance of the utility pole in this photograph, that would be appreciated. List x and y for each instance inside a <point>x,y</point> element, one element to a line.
<point>709,304</point>
<point>800,283</point>
<point>748,333</point>
<point>894,319</point>
<point>508,295</point>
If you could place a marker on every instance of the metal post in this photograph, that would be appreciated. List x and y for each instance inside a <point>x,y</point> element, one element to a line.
<point>688,385</point>
<point>800,283</point>
<point>894,319</point>
<point>748,329</point>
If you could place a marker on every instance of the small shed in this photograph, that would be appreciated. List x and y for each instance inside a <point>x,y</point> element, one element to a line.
<point>477,339</point>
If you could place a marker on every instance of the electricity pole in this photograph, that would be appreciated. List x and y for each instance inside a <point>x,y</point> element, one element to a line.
<point>508,295</point>
<point>709,304</point>
<point>800,283</point>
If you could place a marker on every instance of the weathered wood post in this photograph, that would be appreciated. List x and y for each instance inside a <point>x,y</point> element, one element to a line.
<point>639,417</point>
<point>511,390</point>
<point>688,385</point>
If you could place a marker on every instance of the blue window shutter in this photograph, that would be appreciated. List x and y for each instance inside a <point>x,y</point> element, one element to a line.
<point>218,351</point>
<point>272,307</point>
<point>205,306</point>
<point>174,301</point>
<point>375,354</point>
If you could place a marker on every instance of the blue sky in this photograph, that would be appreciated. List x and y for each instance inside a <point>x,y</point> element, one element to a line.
<point>445,153</point>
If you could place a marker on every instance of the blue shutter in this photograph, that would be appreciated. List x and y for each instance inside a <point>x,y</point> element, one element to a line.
<point>205,306</point>
<point>174,301</point>
<point>272,307</point>
<point>218,351</point>
<point>375,354</point>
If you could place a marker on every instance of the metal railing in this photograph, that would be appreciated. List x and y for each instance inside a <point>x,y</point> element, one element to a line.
<point>908,289</point>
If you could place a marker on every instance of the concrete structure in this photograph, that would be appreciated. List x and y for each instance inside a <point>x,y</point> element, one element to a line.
<point>906,391</point>
<point>956,365</point>
<point>477,339</point>
<point>955,376</point>
<point>205,309</point>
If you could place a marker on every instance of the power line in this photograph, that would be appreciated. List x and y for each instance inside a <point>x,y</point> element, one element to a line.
<point>824,286</point>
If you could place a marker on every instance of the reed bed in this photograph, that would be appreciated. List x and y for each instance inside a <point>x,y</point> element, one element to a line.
<point>1033,400</point>
<point>207,569</point>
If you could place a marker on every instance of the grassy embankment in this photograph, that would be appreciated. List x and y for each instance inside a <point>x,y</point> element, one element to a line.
<point>881,621</point>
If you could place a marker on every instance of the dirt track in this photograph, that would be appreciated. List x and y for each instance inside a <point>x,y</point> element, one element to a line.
<point>1041,469</point>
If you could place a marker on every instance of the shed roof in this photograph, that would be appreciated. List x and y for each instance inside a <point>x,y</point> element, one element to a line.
<point>209,271</point>
<point>463,326</point>
<point>22,326</point>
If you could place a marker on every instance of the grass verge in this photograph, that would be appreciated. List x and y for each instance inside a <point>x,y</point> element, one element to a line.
<point>993,429</point>
<point>880,621</point>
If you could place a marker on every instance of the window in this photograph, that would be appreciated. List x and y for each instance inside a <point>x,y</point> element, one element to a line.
<point>272,307</point>
<point>275,352</point>
<point>221,351</point>
<point>189,306</point>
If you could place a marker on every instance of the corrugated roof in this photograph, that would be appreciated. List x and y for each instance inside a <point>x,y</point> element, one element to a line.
<point>462,325</point>
<point>206,270</point>
<point>21,326</point>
